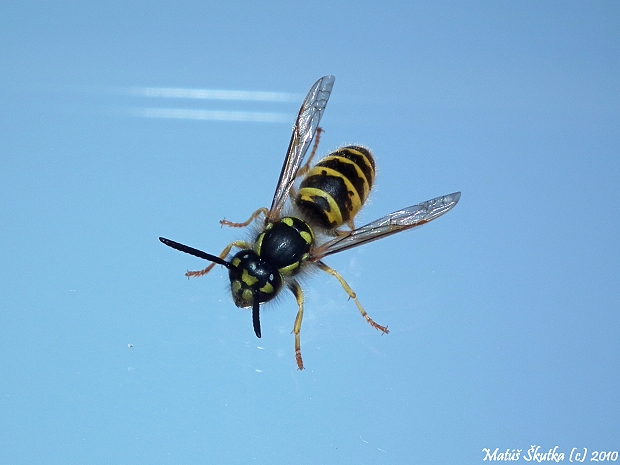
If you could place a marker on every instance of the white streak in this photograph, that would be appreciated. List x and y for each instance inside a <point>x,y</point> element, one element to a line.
<point>213,115</point>
<point>213,94</point>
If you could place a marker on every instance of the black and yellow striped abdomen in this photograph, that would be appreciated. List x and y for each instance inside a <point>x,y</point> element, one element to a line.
<point>334,190</point>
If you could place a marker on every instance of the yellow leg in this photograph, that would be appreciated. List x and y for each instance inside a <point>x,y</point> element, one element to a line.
<point>255,215</point>
<point>352,295</point>
<point>225,252</point>
<point>304,169</point>
<point>299,295</point>
<point>343,232</point>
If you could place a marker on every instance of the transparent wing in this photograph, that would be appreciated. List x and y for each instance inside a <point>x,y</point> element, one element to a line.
<point>303,132</point>
<point>401,220</point>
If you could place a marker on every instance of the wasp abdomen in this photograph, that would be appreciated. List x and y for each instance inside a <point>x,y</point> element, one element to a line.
<point>335,189</point>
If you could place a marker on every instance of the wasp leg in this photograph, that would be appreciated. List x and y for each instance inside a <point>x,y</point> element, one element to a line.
<point>299,295</point>
<point>225,252</point>
<point>343,232</point>
<point>304,169</point>
<point>352,295</point>
<point>254,215</point>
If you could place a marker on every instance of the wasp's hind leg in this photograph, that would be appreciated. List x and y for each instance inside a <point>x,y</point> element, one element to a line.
<point>254,215</point>
<point>299,296</point>
<point>306,167</point>
<point>225,252</point>
<point>352,295</point>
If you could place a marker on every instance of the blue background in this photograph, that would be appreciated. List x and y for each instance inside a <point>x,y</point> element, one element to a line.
<point>503,313</point>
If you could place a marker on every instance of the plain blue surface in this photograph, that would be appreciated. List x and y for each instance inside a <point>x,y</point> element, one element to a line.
<point>504,314</point>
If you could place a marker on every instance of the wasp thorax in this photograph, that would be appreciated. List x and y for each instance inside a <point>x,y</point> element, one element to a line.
<point>285,244</point>
<point>250,275</point>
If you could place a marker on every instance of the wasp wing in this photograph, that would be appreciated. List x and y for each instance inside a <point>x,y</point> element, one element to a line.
<point>303,132</point>
<point>401,220</point>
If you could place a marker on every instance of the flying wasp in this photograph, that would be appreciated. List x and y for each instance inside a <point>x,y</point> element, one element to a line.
<point>329,196</point>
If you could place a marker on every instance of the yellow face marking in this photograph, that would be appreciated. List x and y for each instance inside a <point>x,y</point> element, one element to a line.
<point>236,261</point>
<point>267,289</point>
<point>248,279</point>
<point>247,295</point>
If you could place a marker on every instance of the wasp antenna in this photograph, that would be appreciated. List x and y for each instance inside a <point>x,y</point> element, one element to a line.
<point>196,252</point>
<point>255,315</point>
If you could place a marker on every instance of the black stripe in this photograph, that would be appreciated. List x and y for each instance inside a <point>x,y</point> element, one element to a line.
<point>316,210</point>
<point>334,186</point>
<point>347,169</point>
<point>365,161</point>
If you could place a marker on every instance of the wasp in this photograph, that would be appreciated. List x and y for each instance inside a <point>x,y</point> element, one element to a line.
<point>324,205</point>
